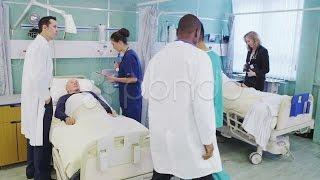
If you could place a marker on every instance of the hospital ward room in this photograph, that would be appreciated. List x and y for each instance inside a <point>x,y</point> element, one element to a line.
<point>159,89</point>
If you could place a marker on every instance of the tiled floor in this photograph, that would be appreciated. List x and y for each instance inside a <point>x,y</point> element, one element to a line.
<point>234,155</point>
<point>13,172</point>
<point>306,164</point>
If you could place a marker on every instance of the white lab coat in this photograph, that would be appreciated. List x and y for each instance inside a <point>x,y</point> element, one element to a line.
<point>178,83</point>
<point>36,78</point>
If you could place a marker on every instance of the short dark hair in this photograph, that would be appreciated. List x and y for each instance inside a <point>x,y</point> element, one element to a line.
<point>45,21</point>
<point>120,35</point>
<point>188,24</point>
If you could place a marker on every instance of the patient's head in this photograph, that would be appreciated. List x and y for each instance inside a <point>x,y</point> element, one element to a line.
<point>73,86</point>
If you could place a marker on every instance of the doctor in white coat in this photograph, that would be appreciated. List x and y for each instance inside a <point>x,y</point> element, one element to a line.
<point>36,105</point>
<point>178,84</point>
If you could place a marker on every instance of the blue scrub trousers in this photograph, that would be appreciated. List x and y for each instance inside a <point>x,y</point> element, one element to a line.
<point>133,110</point>
<point>39,157</point>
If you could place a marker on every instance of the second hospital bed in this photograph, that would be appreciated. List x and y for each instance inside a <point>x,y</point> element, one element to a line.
<point>99,146</point>
<point>238,101</point>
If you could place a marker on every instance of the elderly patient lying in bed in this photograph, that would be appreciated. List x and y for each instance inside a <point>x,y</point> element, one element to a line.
<point>73,89</point>
<point>93,121</point>
<point>242,99</point>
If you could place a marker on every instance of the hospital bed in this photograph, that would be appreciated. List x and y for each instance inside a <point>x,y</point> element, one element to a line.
<point>235,110</point>
<point>98,146</point>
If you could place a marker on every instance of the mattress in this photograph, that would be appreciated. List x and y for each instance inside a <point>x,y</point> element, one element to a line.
<point>91,124</point>
<point>241,99</point>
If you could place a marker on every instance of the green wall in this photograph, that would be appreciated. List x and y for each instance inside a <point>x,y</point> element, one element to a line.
<point>83,17</point>
<point>214,9</point>
<point>308,71</point>
<point>287,88</point>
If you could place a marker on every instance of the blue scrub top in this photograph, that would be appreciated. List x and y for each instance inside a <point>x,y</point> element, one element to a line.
<point>130,94</point>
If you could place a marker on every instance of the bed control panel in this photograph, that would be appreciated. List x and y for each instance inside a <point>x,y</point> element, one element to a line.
<point>119,150</point>
<point>136,150</point>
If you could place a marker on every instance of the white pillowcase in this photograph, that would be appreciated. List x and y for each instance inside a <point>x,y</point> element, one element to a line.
<point>58,87</point>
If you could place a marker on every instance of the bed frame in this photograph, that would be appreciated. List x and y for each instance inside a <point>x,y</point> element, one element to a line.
<point>136,166</point>
<point>278,144</point>
<point>90,166</point>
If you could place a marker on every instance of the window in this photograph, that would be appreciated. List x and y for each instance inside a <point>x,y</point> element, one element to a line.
<point>279,32</point>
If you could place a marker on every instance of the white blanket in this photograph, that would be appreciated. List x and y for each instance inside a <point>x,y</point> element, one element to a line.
<point>258,123</point>
<point>91,124</point>
<point>242,99</point>
<point>258,120</point>
<point>259,108</point>
<point>79,99</point>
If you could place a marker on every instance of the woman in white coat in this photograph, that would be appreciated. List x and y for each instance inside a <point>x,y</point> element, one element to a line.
<point>36,105</point>
<point>178,84</point>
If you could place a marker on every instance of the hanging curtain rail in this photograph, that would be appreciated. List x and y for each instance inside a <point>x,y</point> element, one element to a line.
<point>201,18</point>
<point>170,13</point>
<point>152,2</point>
<point>77,7</point>
<point>213,19</point>
<point>80,28</point>
<point>276,11</point>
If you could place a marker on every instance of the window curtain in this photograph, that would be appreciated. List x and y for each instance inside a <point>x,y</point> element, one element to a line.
<point>279,32</point>
<point>146,45</point>
<point>5,63</point>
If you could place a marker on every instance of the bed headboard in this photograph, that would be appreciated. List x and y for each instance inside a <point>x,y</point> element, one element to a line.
<point>58,86</point>
<point>71,76</point>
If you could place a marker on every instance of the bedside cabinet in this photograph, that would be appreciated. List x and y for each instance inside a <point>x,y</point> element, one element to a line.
<point>13,145</point>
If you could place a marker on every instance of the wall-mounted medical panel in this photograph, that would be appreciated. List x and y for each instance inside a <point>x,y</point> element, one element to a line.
<point>89,49</point>
<point>67,49</point>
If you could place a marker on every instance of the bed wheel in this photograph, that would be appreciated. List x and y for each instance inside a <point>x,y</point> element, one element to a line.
<point>255,158</point>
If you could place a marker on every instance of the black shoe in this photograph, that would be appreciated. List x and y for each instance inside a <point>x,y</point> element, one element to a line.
<point>30,172</point>
<point>30,175</point>
<point>221,139</point>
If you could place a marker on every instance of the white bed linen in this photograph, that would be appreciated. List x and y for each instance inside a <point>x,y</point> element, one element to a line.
<point>91,124</point>
<point>241,99</point>
<point>260,118</point>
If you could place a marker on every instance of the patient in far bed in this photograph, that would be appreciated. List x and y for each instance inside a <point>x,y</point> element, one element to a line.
<point>259,109</point>
<point>73,88</point>
<point>241,98</point>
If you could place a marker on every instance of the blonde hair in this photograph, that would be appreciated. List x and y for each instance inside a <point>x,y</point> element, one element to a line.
<point>254,36</point>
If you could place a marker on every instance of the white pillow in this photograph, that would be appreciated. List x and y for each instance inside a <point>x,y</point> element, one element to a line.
<point>58,87</point>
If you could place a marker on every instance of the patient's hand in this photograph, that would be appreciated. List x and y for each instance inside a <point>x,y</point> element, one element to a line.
<point>70,121</point>
<point>243,85</point>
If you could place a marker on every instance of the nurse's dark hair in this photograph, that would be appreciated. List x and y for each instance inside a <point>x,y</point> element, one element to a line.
<point>120,35</point>
<point>45,21</point>
<point>188,24</point>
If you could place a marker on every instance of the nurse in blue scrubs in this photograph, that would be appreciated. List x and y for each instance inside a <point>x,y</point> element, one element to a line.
<point>129,76</point>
